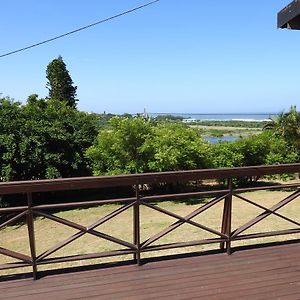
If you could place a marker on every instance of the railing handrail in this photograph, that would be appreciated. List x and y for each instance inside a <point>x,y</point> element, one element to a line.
<point>77,183</point>
<point>137,246</point>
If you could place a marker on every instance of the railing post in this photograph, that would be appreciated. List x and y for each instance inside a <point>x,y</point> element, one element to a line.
<point>227,216</point>
<point>224,222</point>
<point>30,227</point>
<point>136,226</point>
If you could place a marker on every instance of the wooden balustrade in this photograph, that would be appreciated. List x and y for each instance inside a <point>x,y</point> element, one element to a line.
<point>225,236</point>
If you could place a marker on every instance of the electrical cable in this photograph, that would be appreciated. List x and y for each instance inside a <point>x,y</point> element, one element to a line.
<point>80,29</point>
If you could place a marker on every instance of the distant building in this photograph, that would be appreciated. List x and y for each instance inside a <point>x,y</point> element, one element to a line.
<point>189,120</point>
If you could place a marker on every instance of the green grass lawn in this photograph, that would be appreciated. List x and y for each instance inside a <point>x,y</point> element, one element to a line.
<point>49,233</point>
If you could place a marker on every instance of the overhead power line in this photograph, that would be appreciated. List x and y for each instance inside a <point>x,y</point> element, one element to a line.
<point>81,28</point>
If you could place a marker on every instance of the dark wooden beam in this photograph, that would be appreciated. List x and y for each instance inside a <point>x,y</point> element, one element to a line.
<point>289,17</point>
<point>77,183</point>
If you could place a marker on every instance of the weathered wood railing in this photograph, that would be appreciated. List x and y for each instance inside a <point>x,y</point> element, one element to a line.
<point>225,236</point>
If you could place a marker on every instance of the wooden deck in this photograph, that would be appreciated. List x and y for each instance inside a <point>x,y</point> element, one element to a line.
<point>271,272</point>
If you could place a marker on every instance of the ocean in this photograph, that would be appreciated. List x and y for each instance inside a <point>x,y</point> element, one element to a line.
<point>219,117</point>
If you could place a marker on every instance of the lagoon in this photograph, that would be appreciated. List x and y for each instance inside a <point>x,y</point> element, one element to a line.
<point>215,140</point>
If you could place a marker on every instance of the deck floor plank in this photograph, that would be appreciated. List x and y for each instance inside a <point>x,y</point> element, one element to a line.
<point>265,273</point>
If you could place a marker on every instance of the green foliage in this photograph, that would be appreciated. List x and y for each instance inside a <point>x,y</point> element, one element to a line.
<point>266,149</point>
<point>43,139</point>
<point>281,152</point>
<point>47,138</point>
<point>287,125</point>
<point>262,149</point>
<point>103,119</point>
<point>254,149</point>
<point>10,122</point>
<point>176,147</point>
<point>60,83</point>
<point>231,123</point>
<point>226,155</point>
<point>135,146</point>
<point>119,149</point>
<point>164,118</point>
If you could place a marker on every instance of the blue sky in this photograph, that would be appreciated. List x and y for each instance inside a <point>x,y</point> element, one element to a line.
<point>191,56</point>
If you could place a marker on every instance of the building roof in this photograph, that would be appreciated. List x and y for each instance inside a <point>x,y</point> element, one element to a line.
<point>289,17</point>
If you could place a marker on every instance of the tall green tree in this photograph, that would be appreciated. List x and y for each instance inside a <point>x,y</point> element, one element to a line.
<point>60,83</point>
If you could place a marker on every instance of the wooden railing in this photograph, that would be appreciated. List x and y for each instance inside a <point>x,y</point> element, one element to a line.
<point>224,236</point>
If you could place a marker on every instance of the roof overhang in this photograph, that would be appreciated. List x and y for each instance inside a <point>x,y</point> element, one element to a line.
<point>289,17</point>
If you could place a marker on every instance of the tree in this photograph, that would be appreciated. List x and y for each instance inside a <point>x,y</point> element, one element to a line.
<point>135,145</point>
<point>175,147</point>
<point>287,125</point>
<point>226,155</point>
<point>10,123</point>
<point>118,149</point>
<point>60,83</point>
<point>43,139</point>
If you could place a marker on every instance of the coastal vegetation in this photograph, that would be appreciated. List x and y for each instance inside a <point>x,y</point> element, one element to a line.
<point>51,138</point>
<point>233,123</point>
<point>48,138</point>
<point>135,145</point>
<point>287,125</point>
<point>44,138</point>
